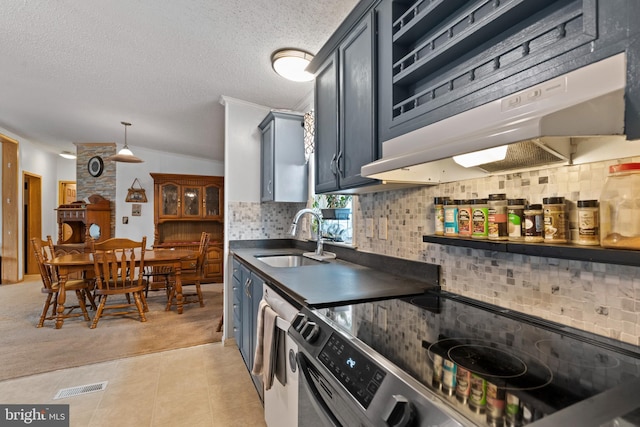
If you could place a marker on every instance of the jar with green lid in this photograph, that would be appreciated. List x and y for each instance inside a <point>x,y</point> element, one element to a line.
<point>498,226</point>
<point>438,207</point>
<point>464,218</point>
<point>480,219</point>
<point>555,220</point>
<point>515,217</point>
<point>588,223</point>
<point>620,208</point>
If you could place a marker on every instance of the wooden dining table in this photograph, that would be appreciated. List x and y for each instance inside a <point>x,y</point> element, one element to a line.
<point>72,263</point>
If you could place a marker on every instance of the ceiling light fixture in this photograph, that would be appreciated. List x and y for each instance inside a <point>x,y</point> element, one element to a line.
<point>481,157</point>
<point>125,155</point>
<point>291,64</point>
<point>68,155</point>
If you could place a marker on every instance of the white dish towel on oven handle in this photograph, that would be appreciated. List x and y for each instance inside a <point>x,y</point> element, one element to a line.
<point>265,361</point>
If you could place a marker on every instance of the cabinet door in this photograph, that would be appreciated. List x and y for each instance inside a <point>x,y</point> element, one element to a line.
<point>170,196</point>
<point>191,201</point>
<point>246,317</point>
<point>326,126</point>
<point>267,159</point>
<point>212,202</point>
<point>256,297</point>
<point>358,141</point>
<point>237,303</point>
<point>445,57</point>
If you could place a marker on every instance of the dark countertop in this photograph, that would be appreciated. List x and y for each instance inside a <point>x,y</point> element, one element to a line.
<point>337,281</point>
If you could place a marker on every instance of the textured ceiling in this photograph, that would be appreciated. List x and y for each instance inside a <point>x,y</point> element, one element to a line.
<point>72,70</point>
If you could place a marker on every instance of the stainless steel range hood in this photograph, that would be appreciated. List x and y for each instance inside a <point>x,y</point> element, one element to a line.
<point>574,118</point>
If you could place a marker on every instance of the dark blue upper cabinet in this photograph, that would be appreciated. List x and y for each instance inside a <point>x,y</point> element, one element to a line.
<point>345,109</point>
<point>441,57</point>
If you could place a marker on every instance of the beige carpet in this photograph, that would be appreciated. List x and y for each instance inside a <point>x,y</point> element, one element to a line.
<point>27,350</point>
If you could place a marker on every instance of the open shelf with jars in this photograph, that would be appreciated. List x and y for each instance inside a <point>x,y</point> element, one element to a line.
<point>561,251</point>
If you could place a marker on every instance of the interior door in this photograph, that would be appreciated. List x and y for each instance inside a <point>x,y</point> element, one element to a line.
<point>10,210</point>
<point>32,200</point>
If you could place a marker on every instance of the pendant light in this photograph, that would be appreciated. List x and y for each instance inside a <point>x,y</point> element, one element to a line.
<point>125,155</point>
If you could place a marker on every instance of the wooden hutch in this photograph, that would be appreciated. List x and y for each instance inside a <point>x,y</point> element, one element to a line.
<point>184,207</point>
<point>81,220</point>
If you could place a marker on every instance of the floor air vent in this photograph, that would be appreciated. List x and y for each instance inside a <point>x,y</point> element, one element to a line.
<point>81,389</point>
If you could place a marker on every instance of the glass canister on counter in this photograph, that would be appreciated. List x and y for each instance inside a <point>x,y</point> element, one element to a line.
<point>479,219</point>
<point>464,218</point>
<point>451,218</point>
<point>498,226</point>
<point>588,223</point>
<point>438,207</point>
<point>620,208</point>
<point>555,220</point>
<point>515,216</point>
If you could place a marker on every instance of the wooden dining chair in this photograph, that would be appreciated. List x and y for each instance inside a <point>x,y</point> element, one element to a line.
<point>192,277</point>
<point>51,286</point>
<point>119,267</point>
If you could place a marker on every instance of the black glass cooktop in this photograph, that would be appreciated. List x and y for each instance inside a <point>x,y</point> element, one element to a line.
<point>485,359</point>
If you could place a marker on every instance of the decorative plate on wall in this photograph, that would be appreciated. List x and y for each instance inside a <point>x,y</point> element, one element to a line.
<point>95,166</point>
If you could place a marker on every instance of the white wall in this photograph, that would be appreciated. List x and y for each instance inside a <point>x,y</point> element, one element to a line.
<point>242,150</point>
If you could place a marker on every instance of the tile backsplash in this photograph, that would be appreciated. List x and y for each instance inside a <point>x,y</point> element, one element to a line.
<point>600,298</point>
<point>255,220</point>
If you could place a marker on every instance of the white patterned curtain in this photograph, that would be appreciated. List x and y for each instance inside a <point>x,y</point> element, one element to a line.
<point>309,137</point>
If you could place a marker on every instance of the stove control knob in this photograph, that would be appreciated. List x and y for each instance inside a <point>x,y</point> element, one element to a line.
<point>299,321</point>
<point>310,331</point>
<point>400,412</point>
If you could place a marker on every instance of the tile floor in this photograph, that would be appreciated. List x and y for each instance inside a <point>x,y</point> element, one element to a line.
<point>206,385</point>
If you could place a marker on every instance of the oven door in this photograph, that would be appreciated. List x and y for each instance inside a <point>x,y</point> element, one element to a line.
<point>319,403</point>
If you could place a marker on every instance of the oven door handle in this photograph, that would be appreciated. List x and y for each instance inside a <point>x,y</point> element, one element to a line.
<point>316,398</point>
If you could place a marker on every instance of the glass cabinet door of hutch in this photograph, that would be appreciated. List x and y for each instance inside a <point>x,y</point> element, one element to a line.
<point>191,201</point>
<point>170,200</point>
<point>212,201</point>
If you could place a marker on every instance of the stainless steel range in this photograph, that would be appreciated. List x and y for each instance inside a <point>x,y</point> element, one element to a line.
<point>443,360</point>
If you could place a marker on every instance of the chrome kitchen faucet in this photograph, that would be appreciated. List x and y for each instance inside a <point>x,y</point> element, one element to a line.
<point>294,225</point>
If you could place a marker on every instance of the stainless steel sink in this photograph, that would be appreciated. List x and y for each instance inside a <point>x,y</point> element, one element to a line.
<point>287,260</point>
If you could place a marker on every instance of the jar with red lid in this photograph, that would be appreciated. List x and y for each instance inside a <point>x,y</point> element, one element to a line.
<point>620,207</point>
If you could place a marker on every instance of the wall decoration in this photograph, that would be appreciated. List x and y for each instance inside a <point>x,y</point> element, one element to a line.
<point>136,209</point>
<point>95,166</point>
<point>136,194</point>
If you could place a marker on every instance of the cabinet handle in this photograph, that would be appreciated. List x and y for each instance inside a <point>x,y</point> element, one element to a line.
<point>340,171</point>
<point>332,166</point>
<point>247,283</point>
<point>270,187</point>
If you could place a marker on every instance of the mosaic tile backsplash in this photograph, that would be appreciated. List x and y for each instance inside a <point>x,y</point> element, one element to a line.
<point>254,220</point>
<point>600,298</point>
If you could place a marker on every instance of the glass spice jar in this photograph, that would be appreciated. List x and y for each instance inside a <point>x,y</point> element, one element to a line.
<point>555,220</point>
<point>588,223</point>
<point>438,207</point>
<point>464,218</point>
<point>480,219</point>
<point>533,223</point>
<point>620,208</point>
<point>451,218</point>
<point>515,216</point>
<point>498,227</point>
